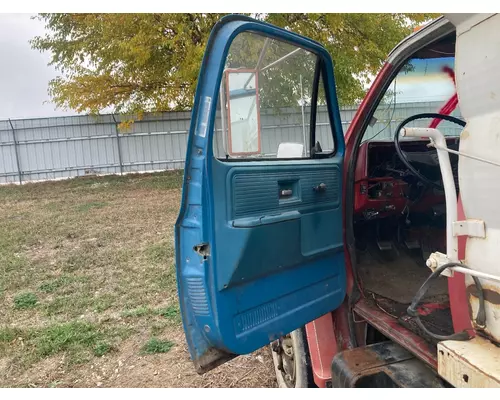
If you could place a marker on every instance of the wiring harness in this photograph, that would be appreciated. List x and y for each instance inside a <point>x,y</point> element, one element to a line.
<point>480,321</point>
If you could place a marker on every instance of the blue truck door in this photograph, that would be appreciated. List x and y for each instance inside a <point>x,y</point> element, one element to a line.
<point>259,242</point>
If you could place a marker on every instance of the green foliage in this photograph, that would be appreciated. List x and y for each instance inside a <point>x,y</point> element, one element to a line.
<point>150,62</point>
<point>25,300</point>
<point>155,345</point>
<point>102,348</point>
<point>93,204</point>
<point>53,285</point>
<point>159,253</point>
<point>136,312</point>
<point>171,313</point>
<point>8,334</point>
<point>69,336</point>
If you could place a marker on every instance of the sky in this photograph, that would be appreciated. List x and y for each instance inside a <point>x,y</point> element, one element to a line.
<point>24,74</point>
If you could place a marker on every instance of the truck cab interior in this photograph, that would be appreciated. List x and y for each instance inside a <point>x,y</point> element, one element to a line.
<point>399,216</point>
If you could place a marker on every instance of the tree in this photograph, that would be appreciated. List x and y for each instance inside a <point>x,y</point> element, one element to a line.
<point>135,63</point>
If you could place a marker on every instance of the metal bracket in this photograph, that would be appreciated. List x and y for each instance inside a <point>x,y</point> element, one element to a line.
<point>469,227</point>
<point>437,259</point>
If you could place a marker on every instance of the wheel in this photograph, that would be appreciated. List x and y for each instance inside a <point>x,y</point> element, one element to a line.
<point>292,362</point>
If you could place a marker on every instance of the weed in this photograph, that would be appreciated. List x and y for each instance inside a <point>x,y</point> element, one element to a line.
<point>71,305</point>
<point>102,348</point>
<point>159,253</point>
<point>157,329</point>
<point>8,334</point>
<point>89,206</point>
<point>104,302</point>
<point>52,286</point>
<point>172,313</point>
<point>69,336</point>
<point>25,300</point>
<point>155,345</point>
<point>136,312</point>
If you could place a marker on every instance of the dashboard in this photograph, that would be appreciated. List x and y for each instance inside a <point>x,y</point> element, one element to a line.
<point>385,187</point>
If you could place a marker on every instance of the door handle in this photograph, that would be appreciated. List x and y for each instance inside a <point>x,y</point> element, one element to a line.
<point>320,188</point>
<point>286,193</point>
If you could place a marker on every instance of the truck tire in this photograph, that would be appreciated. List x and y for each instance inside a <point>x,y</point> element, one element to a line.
<point>292,362</point>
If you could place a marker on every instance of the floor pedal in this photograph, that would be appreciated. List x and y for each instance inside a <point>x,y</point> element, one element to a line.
<point>412,244</point>
<point>385,245</point>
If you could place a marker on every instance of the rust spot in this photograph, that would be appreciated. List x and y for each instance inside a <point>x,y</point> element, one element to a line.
<point>490,295</point>
<point>364,358</point>
<point>464,360</point>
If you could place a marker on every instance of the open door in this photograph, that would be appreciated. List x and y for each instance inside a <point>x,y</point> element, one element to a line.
<point>259,242</point>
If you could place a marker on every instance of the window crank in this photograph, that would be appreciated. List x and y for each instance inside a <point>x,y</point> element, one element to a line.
<point>320,188</point>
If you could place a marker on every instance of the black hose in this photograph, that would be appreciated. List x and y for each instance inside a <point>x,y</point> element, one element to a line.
<point>464,335</point>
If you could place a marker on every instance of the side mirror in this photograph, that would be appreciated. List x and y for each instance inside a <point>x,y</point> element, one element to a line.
<point>243,112</point>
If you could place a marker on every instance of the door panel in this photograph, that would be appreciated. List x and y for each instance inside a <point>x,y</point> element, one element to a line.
<point>259,242</point>
<point>263,234</point>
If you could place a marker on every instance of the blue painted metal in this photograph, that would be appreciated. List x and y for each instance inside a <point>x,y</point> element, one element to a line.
<point>251,266</point>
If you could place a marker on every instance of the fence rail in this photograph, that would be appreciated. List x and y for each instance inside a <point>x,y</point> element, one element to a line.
<point>63,147</point>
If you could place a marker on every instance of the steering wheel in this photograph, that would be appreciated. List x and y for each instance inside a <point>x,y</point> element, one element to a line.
<point>402,155</point>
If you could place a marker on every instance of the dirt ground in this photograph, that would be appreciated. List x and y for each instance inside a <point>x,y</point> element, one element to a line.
<point>88,293</point>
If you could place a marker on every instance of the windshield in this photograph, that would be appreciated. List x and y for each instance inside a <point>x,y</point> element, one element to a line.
<point>422,85</point>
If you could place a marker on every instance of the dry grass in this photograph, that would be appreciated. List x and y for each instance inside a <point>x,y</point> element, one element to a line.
<point>87,282</point>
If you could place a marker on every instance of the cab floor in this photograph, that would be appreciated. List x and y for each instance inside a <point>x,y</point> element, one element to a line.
<point>397,275</point>
<point>436,317</point>
<point>390,281</point>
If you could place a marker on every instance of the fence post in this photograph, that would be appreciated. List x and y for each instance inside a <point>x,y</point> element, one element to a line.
<point>16,150</point>
<point>118,144</point>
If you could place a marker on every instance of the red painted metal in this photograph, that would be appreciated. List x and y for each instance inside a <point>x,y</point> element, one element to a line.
<point>398,198</point>
<point>342,333</point>
<point>456,286</point>
<point>361,170</point>
<point>350,142</point>
<point>362,113</point>
<point>391,328</point>
<point>450,105</point>
<point>429,308</point>
<point>322,347</point>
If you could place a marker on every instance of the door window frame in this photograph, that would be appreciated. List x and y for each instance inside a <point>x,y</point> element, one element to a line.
<point>330,98</point>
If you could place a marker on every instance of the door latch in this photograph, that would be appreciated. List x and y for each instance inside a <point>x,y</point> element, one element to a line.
<point>203,249</point>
